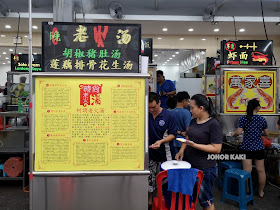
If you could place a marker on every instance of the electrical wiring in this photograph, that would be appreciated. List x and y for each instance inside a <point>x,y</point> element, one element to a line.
<point>265,31</point>
<point>17,33</point>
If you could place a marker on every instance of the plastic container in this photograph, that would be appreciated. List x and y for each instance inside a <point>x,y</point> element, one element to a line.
<point>20,105</point>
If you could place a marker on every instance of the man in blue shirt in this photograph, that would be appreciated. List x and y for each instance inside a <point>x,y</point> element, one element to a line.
<point>183,118</point>
<point>160,120</point>
<point>165,88</point>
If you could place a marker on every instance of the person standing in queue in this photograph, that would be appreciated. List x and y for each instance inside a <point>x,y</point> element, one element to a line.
<point>165,88</point>
<point>253,125</point>
<point>160,120</point>
<point>183,117</point>
<point>204,137</point>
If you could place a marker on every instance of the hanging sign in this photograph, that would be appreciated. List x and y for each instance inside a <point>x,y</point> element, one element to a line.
<point>19,63</point>
<point>91,47</point>
<point>247,52</point>
<point>242,86</point>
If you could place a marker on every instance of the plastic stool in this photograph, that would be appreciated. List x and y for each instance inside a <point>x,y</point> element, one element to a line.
<point>2,168</point>
<point>243,197</point>
<point>227,165</point>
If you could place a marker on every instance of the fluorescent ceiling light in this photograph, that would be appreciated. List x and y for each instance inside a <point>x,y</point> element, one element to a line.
<point>26,36</point>
<point>216,30</point>
<point>6,58</point>
<point>168,60</point>
<point>156,55</point>
<point>159,38</point>
<point>203,39</point>
<point>190,29</point>
<point>241,30</point>
<point>3,35</point>
<point>173,55</point>
<point>4,63</point>
<point>177,64</point>
<point>165,29</point>
<point>176,52</point>
<point>8,26</point>
<point>181,39</point>
<point>4,53</point>
<point>35,27</point>
<point>11,50</point>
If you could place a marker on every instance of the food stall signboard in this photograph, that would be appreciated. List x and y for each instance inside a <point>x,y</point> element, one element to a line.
<point>19,63</point>
<point>242,86</point>
<point>147,48</point>
<point>247,52</point>
<point>91,47</point>
<point>89,124</point>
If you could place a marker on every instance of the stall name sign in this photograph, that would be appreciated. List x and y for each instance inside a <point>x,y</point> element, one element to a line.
<point>20,63</point>
<point>91,47</point>
<point>240,87</point>
<point>247,52</point>
<point>147,48</point>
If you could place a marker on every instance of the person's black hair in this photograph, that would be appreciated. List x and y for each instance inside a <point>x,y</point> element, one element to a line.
<point>22,79</point>
<point>182,96</point>
<point>171,102</point>
<point>159,72</point>
<point>153,97</point>
<point>252,104</point>
<point>6,84</point>
<point>201,100</point>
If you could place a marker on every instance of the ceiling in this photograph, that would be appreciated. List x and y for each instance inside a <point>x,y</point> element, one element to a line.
<point>178,16</point>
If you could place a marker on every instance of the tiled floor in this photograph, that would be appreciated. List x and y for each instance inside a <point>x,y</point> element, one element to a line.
<point>12,197</point>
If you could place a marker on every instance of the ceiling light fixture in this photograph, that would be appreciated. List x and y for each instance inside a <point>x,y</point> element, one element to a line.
<point>173,55</point>
<point>163,64</point>
<point>159,38</point>
<point>190,29</point>
<point>165,29</point>
<point>181,39</point>
<point>4,63</point>
<point>35,27</point>
<point>26,36</point>
<point>168,60</point>
<point>3,35</point>
<point>4,53</point>
<point>203,39</point>
<point>9,61</point>
<point>34,53</point>
<point>176,52</point>
<point>216,30</point>
<point>177,64</point>
<point>11,50</point>
<point>156,55</point>
<point>241,30</point>
<point>6,58</point>
<point>8,26</point>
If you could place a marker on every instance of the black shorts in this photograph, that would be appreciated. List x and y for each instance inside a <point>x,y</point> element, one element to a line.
<point>257,155</point>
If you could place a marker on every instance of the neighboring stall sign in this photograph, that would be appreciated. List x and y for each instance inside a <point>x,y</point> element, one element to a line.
<point>242,86</point>
<point>19,63</point>
<point>247,52</point>
<point>211,65</point>
<point>89,124</point>
<point>147,48</point>
<point>91,47</point>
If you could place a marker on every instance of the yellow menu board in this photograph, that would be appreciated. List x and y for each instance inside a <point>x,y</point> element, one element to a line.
<point>89,124</point>
<point>242,86</point>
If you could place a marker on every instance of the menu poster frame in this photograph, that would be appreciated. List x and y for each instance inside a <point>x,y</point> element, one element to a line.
<point>91,47</point>
<point>57,82</point>
<point>247,52</point>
